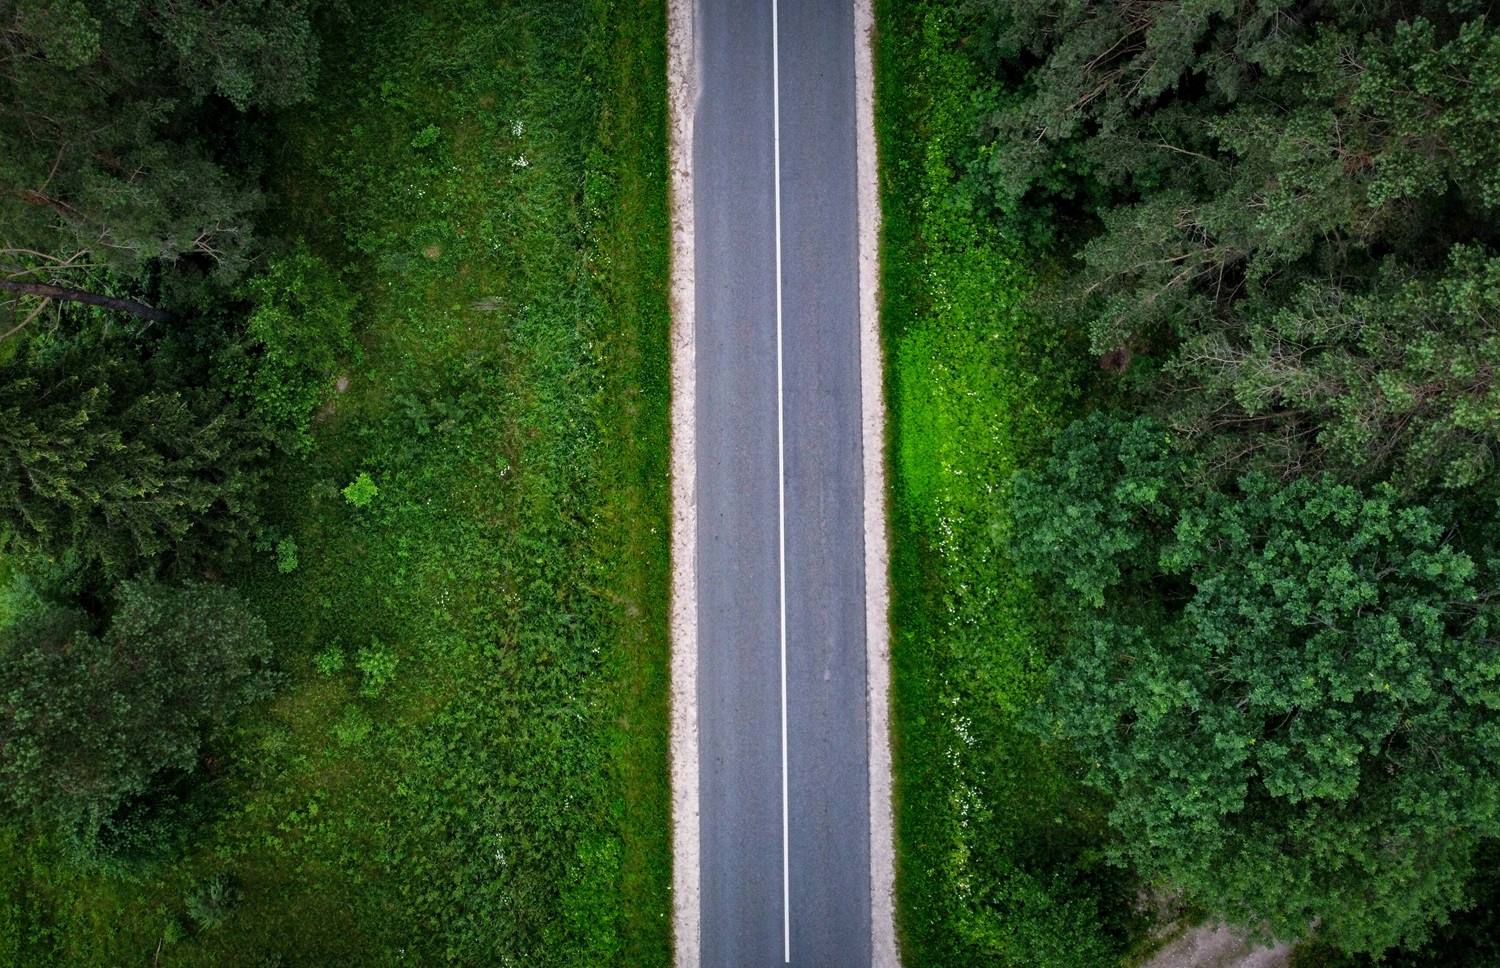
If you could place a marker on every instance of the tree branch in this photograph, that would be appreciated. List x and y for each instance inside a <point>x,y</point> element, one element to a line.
<point>49,291</point>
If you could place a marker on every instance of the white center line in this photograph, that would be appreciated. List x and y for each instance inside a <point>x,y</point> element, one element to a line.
<point>786,878</point>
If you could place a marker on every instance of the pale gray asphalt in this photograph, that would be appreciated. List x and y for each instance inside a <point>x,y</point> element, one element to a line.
<point>739,618</point>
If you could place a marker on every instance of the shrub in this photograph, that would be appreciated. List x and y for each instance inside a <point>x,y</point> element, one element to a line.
<point>330,661</point>
<point>361,491</point>
<point>210,903</point>
<point>299,331</point>
<point>286,555</point>
<point>378,663</point>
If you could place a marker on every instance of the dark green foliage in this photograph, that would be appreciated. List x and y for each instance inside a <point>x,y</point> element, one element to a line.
<point>91,720</point>
<point>110,113</point>
<point>1397,383</point>
<point>140,833</point>
<point>503,796</point>
<point>210,904</point>
<point>1297,679</point>
<point>1470,938</point>
<point>1282,195</point>
<point>1283,215</point>
<point>110,459</point>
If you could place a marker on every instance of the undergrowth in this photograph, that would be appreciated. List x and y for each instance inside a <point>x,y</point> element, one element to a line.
<point>999,844</point>
<point>466,761</point>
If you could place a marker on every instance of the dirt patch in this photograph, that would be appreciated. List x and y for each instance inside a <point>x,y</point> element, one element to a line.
<point>1218,946</point>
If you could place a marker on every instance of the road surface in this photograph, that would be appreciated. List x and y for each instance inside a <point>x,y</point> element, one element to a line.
<point>783,745</point>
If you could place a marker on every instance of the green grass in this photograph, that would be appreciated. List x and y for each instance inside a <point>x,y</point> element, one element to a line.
<point>492,182</point>
<point>999,846</point>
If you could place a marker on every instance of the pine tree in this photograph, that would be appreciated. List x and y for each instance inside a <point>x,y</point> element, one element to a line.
<point>106,460</point>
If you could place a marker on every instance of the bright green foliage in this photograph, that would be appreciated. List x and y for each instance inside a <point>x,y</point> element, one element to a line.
<point>998,844</point>
<point>286,555</point>
<point>298,335</point>
<point>1288,689</point>
<point>110,459</point>
<point>331,660</point>
<point>90,720</point>
<point>378,666</point>
<point>361,491</point>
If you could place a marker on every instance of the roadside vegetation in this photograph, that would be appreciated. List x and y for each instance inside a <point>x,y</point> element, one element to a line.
<point>390,470</point>
<point>1191,317</point>
<point>999,843</point>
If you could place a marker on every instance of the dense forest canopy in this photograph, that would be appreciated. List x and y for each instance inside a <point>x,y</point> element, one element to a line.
<point>137,403</point>
<point>1277,553</point>
<point>118,121</point>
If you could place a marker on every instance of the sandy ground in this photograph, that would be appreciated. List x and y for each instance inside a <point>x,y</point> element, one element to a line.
<point>682,96</point>
<point>883,952</point>
<point>1215,946</point>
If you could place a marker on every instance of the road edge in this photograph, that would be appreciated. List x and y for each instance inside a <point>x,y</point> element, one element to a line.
<point>682,100</point>
<point>883,950</point>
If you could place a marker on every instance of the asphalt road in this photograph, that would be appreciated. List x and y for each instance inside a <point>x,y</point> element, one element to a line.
<point>811,849</point>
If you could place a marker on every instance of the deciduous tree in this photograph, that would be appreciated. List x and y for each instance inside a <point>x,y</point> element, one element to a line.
<point>1290,689</point>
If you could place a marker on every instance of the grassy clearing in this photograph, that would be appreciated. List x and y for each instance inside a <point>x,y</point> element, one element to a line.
<point>467,762</point>
<point>999,846</point>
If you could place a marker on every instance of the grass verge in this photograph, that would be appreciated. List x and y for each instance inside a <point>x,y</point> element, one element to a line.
<point>999,846</point>
<point>467,761</point>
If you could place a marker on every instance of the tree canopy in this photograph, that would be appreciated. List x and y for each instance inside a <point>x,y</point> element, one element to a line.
<point>89,720</point>
<point>1290,689</point>
<point>115,169</point>
<point>111,458</point>
<point>1290,206</point>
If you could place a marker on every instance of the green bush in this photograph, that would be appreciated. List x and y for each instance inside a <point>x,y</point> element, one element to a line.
<point>361,491</point>
<point>331,660</point>
<point>286,555</point>
<point>378,664</point>
<point>300,333</point>
<point>210,903</point>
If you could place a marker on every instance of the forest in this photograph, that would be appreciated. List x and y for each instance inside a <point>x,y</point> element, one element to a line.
<point>1193,313</point>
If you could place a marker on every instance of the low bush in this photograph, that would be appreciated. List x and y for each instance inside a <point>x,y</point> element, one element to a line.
<point>298,337</point>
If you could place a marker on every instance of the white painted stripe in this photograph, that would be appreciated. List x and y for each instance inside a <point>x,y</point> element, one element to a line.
<point>786,848</point>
